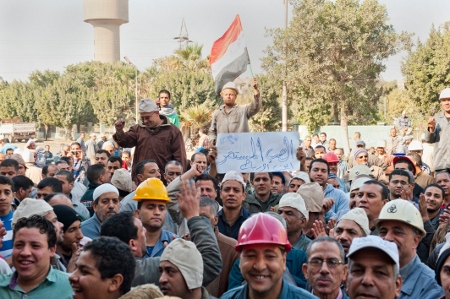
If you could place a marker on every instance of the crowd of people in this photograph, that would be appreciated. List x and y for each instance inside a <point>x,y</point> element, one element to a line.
<point>133,217</point>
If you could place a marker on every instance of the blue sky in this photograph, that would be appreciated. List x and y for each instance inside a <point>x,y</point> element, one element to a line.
<point>51,34</point>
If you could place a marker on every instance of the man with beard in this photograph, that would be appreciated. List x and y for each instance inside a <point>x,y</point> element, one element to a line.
<point>443,180</point>
<point>72,233</point>
<point>319,173</point>
<point>325,269</point>
<point>434,196</point>
<point>106,204</point>
<point>151,210</point>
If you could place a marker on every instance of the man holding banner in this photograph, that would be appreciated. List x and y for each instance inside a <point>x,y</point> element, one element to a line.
<point>230,117</point>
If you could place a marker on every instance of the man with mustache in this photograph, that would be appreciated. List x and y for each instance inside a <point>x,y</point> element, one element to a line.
<point>353,224</point>
<point>325,269</point>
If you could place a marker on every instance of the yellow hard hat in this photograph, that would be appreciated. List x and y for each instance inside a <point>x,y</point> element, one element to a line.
<point>151,189</point>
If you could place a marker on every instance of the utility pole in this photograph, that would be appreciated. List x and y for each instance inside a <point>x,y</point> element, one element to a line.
<point>184,35</point>
<point>284,104</point>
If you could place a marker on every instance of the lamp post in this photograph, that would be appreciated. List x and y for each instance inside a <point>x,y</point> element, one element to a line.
<point>136,85</point>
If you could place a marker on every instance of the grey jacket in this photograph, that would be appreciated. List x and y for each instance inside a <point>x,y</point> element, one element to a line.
<point>441,140</point>
<point>147,270</point>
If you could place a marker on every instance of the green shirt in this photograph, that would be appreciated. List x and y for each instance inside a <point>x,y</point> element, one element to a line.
<point>55,286</point>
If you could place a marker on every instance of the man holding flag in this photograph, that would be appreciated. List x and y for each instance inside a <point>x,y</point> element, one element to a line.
<point>229,59</point>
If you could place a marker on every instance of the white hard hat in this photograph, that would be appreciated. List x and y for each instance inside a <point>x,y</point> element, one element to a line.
<point>445,94</point>
<point>231,85</point>
<point>403,211</point>
<point>415,145</point>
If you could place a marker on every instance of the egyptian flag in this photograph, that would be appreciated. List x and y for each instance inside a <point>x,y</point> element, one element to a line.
<point>229,56</point>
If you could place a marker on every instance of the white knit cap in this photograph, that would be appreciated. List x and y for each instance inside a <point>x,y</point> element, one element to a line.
<point>104,188</point>
<point>29,207</point>
<point>360,217</point>
<point>296,201</point>
<point>186,257</point>
<point>234,176</point>
<point>302,176</point>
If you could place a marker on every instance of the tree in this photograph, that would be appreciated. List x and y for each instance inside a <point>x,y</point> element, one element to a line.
<point>427,69</point>
<point>331,56</point>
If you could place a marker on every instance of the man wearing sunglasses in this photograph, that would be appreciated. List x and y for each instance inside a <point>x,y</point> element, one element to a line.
<point>156,138</point>
<point>362,157</point>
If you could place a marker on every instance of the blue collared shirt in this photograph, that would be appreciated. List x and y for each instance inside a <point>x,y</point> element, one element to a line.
<point>158,248</point>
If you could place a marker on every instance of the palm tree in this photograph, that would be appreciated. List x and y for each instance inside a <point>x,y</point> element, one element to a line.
<point>194,118</point>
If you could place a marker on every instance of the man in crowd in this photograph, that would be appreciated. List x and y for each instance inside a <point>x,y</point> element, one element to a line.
<point>319,151</point>
<point>392,141</point>
<point>22,189</point>
<point>48,186</point>
<point>127,158</point>
<point>307,148</point>
<point>422,179</point>
<point>262,198</point>
<point>297,180</point>
<point>434,196</point>
<point>353,224</point>
<point>151,196</point>
<point>230,117</point>
<point>105,269</point>
<point>263,245</point>
<point>105,204</point>
<point>9,168</point>
<point>34,240</point>
<point>371,197</point>
<point>102,140</point>
<point>172,170</point>
<point>325,269</point>
<point>181,268</point>
<point>401,185</point>
<point>400,222</point>
<point>404,124</point>
<point>91,147</point>
<point>68,182</point>
<point>72,232</point>
<point>323,140</point>
<point>293,209</point>
<point>319,173</point>
<point>102,156</point>
<point>278,183</point>
<point>443,272</point>
<point>443,180</point>
<point>233,213</point>
<point>96,175</point>
<point>367,259</point>
<point>6,213</point>
<point>166,108</point>
<point>385,156</point>
<point>209,209</point>
<point>200,159</point>
<point>48,171</point>
<point>437,130</point>
<point>113,164</point>
<point>155,139</point>
<point>80,141</point>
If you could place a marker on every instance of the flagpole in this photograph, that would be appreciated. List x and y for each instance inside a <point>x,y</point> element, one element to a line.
<point>251,71</point>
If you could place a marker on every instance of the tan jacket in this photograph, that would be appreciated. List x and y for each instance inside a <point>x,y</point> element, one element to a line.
<point>233,121</point>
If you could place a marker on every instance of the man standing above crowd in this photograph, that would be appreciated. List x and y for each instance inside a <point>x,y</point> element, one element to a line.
<point>231,118</point>
<point>91,147</point>
<point>166,108</point>
<point>438,130</point>
<point>155,139</point>
<point>404,124</point>
<point>392,142</point>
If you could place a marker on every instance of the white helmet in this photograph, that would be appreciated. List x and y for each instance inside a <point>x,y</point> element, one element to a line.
<point>415,145</point>
<point>445,94</point>
<point>403,211</point>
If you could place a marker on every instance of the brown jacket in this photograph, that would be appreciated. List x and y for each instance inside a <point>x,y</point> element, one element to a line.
<point>229,255</point>
<point>162,144</point>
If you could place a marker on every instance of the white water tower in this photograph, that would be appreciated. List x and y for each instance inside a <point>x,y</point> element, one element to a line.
<point>106,16</point>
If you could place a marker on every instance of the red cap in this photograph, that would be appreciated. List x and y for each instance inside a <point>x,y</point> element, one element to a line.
<point>330,157</point>
<point>262,229</point>
<point>406,159</point>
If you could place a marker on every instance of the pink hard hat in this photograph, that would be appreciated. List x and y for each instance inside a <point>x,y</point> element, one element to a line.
<point>330,157</point>
<point>262,229</point>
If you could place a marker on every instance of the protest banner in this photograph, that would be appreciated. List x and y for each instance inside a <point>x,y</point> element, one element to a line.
<point>257,152</point>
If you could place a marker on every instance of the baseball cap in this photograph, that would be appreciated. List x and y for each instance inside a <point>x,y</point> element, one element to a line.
<point>375,242</point>
<point>360,217</point>
<point>445,94</point>
<point>296,201</point>
<point>234,176</point>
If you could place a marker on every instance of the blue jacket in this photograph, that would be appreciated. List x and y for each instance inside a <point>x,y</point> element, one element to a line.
<point>340,201</point>
<point>294,261</point>
<point>91,227</point>
<point>420,283</point>
<point>287,292</point>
